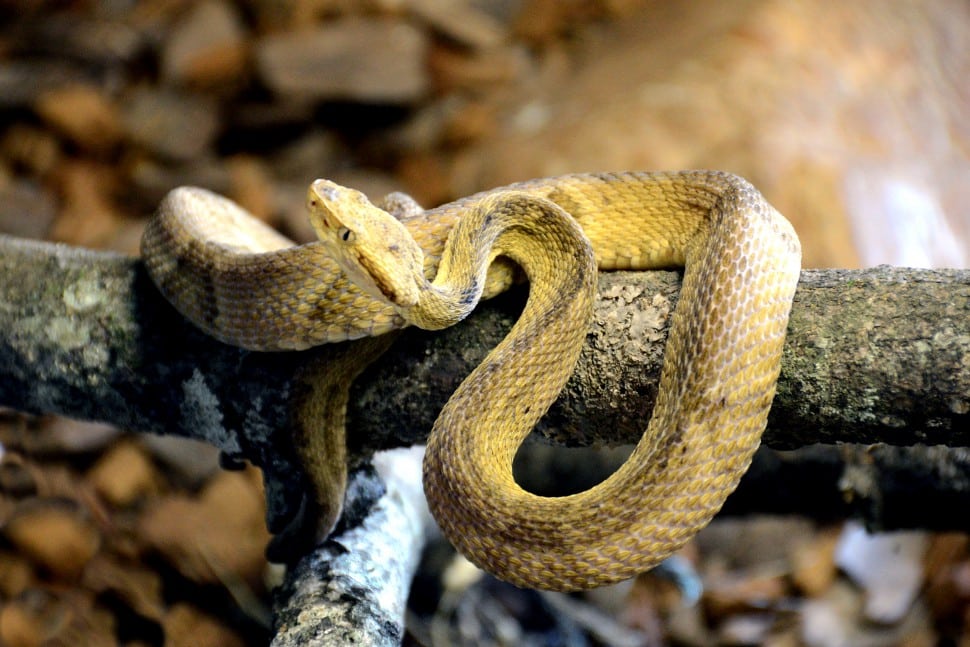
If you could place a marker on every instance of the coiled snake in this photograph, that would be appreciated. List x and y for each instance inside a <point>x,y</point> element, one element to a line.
<point>249,286</point>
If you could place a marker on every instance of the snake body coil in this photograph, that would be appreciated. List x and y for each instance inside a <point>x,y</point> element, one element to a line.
<point>721,363</point>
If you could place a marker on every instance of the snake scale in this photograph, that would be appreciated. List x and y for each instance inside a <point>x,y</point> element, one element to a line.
<point>370,273</point>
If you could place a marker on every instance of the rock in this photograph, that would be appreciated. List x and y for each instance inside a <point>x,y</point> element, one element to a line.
<point>22,81</point>
<point>34,149</point>
<point>220,531</point>
<point>251,186</point>
<point>26,210</point>
<point>150,179</point>
<point>543,21</point>
<point>539,21</point>
<point>16,574</point>
<point>55,534</point>
<point>102,42</point>
<point>84,115</point>
<point>460,22</point>
<point>374,60</point>
<point>455,70</point>
<point>186,626</point>
<point>426,179</point>
<point>32,619</point>
<point>18,479</point>
<point>175,125</point>
<point>55,436</point>
<point>137,586</point>
<point>187,461</point>
<point>307,158</point>
<point>88,215</point>
<point>206,47</point>
<point>123,475</point>
<point>813,563</point>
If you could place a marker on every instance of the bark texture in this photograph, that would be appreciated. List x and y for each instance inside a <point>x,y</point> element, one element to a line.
<point>880,355</point>
<point>873,356</point>
<point>353,589</point>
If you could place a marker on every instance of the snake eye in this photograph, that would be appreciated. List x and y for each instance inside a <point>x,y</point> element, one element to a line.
<point>346,235</point>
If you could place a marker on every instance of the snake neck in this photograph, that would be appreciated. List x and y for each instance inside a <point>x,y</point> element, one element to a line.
<point>516,225</point>
<point>456,289</point>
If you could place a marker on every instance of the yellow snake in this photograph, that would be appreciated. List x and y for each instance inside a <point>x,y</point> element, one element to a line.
<point>722,360</point>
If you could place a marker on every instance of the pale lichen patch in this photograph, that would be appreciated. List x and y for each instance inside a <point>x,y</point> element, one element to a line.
<point>67,333</point>
<point>83,295</point>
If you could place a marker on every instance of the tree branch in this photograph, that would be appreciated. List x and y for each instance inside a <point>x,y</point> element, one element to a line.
<point>876,355</point>
<point>353,589</point>
<point>879,355</point>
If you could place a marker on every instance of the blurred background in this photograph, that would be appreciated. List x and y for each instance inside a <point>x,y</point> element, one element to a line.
<point>852,118</point>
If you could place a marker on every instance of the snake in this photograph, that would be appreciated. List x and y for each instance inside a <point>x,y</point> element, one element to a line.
<point>372,272</point>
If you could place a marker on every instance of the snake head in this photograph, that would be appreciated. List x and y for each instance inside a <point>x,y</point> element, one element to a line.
<point>375,251</point>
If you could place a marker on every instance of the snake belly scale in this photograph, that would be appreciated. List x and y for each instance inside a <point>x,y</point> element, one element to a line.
<point>721,363</point>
